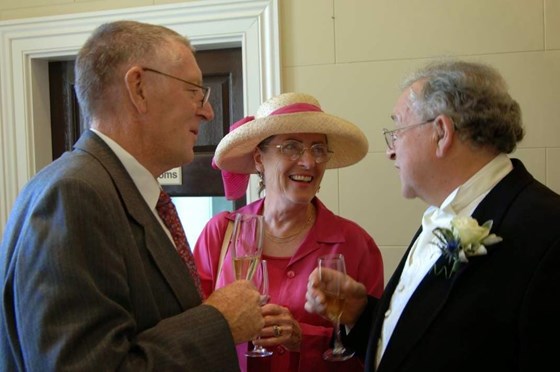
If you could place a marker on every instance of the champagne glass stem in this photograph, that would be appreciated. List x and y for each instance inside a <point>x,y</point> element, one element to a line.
<point>262,284</point>
<point>338,352</point>
<point>335,300</point>
<point>338,348</point>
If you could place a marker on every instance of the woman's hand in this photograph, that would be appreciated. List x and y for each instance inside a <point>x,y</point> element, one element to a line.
<point>280,328</point>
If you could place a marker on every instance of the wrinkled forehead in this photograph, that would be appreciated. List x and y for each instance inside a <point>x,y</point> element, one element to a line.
<point>404,110</point>
<point>403,107</point>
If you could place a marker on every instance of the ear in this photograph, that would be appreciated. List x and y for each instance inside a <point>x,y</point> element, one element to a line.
<point>135,86</point>
<point>257,157</point>
<point>444,134</point>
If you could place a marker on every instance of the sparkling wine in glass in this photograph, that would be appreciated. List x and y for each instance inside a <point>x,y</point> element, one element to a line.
<point>334,302</point>
<point>261,281</point>
<point>246,244</point>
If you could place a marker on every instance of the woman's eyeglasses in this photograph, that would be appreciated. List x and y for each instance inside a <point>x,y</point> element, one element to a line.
<point>295,149</point>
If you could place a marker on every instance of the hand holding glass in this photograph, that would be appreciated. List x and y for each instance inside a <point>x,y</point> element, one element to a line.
<point>261,282</point>
<point>334,302</point>
<point>246,244</point>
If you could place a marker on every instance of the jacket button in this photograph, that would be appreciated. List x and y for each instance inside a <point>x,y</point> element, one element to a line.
<point>290,274</point>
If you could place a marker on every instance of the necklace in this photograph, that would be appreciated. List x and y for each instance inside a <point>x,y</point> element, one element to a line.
<point>290,237</point>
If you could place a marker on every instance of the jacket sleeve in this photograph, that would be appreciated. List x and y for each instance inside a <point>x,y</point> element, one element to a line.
<point>358,337</point>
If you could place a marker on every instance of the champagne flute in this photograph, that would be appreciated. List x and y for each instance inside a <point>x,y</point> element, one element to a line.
<point>246,240</point>
<point>334,302</point>
<point>261,281</point>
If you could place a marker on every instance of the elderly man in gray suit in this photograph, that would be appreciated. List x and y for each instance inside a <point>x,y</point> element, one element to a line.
<point>91,276</point>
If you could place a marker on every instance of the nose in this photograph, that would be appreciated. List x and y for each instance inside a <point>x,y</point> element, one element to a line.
<point>307,158</point>
<point>390,153</point>
<point>206,111</point>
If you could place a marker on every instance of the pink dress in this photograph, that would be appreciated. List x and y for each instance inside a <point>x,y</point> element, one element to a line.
<point>288,282</point>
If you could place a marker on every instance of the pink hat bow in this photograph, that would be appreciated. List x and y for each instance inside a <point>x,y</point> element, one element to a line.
<point>235,184</point>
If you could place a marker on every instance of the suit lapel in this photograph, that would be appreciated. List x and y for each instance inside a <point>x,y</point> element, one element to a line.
<point>496,203</point>
<point>383,305</point>
<point>154,237</point>
<point>423,307</point>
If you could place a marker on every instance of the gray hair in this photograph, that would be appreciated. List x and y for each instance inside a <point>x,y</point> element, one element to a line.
<point>113,48</point>
<point>475,96</point>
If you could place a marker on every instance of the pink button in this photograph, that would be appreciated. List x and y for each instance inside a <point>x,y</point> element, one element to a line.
<point>290,274</point>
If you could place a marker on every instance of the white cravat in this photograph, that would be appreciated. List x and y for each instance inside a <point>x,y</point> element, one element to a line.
<point>424,253</point>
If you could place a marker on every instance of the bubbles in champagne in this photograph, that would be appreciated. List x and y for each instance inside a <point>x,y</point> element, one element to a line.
<point>335,304</point>
<point>245,267</point>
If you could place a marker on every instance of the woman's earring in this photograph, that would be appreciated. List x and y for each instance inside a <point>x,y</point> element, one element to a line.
<point>261,180</point>
<point>261,183</point>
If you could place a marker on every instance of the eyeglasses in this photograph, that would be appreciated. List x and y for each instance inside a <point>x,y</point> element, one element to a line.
<point>392,135</point>
<point>294,150</point>
<point>199,88</point>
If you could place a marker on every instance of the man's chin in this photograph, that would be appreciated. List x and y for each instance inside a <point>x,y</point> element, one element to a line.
<point>188,158</point>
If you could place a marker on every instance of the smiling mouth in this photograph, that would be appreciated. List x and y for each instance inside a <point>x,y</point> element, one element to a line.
<point>299,178</point>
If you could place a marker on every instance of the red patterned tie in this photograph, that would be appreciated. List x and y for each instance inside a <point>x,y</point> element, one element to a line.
<point>168,213</point>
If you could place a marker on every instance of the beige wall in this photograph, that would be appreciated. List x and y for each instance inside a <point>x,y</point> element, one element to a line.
<point>351,55</point>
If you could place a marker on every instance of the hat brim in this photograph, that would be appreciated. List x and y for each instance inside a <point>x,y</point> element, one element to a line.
<point>235,151</point>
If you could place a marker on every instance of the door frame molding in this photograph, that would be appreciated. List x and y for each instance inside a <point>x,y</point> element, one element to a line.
<point>27,46</point>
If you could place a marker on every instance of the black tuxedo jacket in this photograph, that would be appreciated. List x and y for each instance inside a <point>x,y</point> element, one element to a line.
<point>499,312</point>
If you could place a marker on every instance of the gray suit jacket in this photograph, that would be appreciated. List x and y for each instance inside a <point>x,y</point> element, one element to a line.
<point>90,280</point>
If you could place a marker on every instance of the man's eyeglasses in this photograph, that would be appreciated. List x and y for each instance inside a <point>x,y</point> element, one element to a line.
<point>294,150</point>
<point>392,135</point>
<point>199,88</point>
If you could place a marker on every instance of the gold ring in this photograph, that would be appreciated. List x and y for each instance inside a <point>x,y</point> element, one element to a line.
<point>277,330</point>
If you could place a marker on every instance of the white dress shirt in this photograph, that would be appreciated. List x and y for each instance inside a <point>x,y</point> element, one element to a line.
<point>424,252</point>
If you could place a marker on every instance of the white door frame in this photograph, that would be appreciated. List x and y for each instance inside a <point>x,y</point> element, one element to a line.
<point>27,45</point>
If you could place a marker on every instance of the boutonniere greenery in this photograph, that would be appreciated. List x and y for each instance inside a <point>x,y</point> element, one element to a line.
<point>464,239</point>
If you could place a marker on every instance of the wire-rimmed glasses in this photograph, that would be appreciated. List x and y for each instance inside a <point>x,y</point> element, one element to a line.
<point>295,149</point>
<point>392,135</point>
<point>199,88</point>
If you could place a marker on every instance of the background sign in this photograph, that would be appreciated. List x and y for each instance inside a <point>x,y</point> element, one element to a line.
<point>171,177</point>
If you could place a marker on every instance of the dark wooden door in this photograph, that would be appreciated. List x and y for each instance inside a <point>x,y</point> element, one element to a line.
<point>222,71</point>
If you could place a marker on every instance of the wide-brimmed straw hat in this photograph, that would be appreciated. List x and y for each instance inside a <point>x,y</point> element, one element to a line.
<point>289,113</point>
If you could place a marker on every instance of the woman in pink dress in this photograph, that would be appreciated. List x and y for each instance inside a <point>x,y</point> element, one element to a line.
<point>289,144</point>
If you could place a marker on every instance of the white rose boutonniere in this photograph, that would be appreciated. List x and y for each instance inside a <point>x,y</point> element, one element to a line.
<point>464,239</point>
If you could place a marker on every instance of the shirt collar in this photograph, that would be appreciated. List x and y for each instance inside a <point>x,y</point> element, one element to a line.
<point>145,182</point>
<point>480,184</point>
<point>465,198</point>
